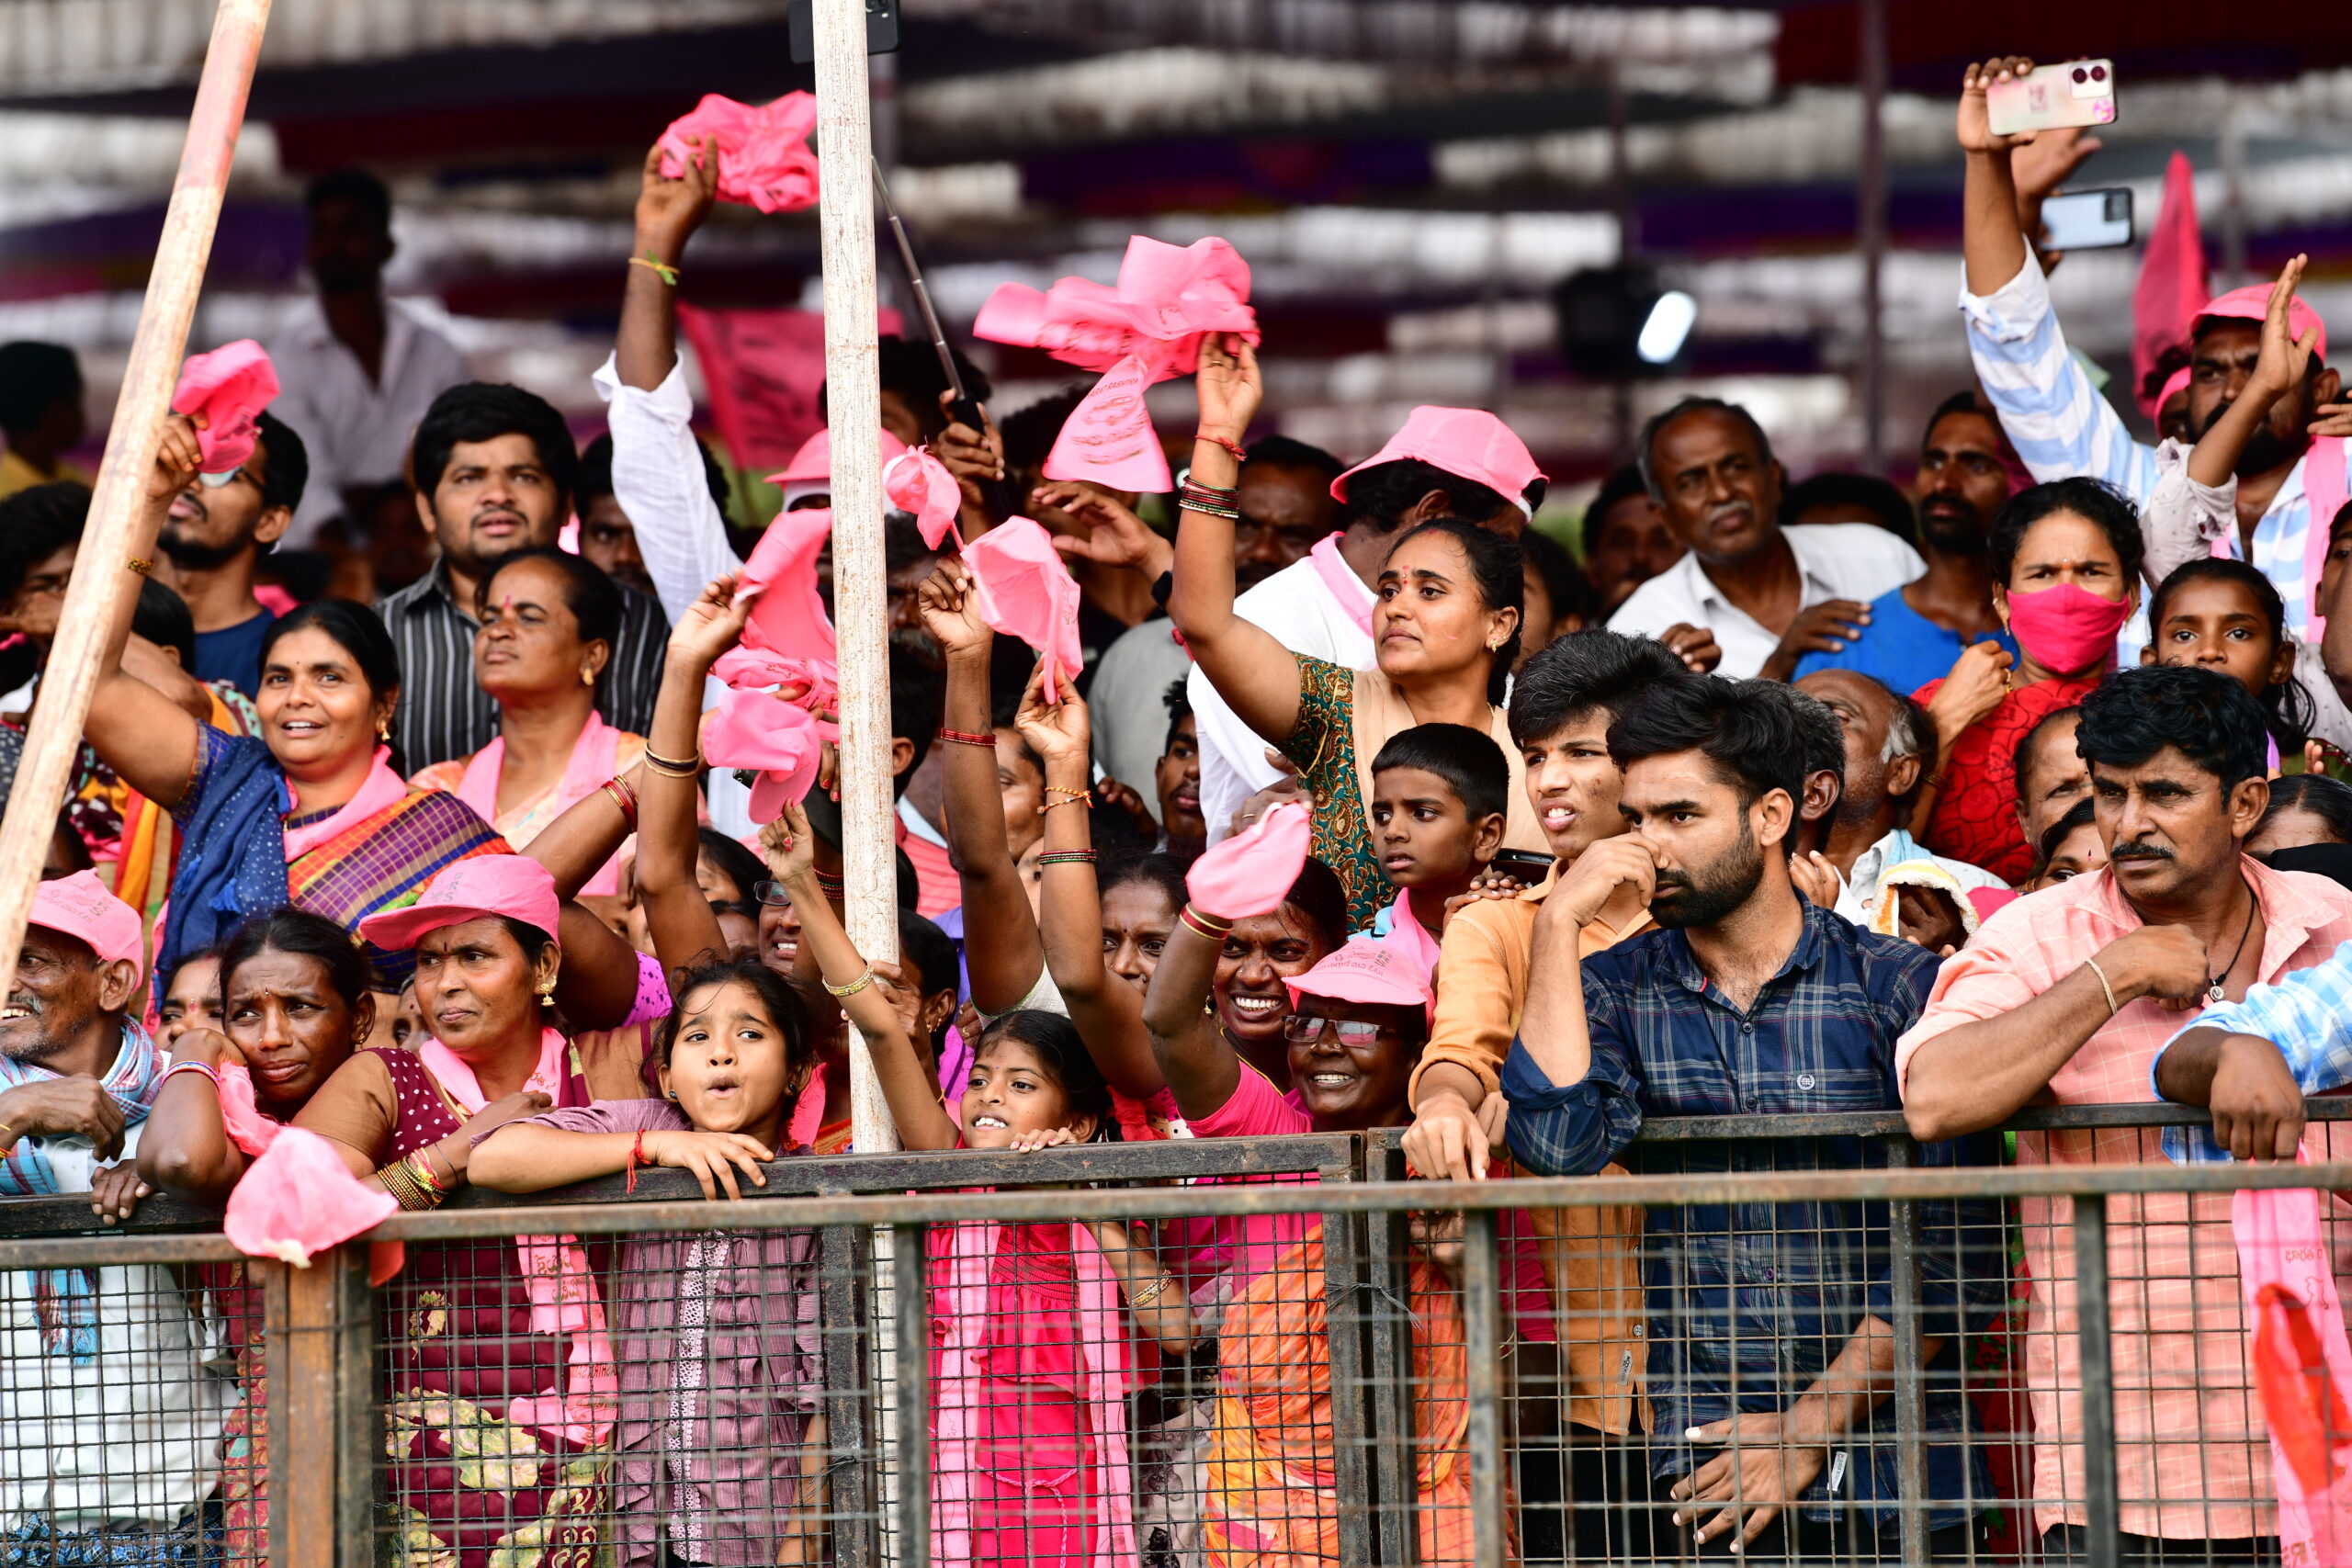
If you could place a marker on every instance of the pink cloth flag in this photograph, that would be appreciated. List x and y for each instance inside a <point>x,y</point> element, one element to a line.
<point>1167,298</point>
<point>1250,872</point>
<point>762,370</point>
<point>230,387</point>
<point>299,1199</point>
<point>813,684</point>
<point>918,482</point>
<point>775,736</point>
<point>2302,1365</point>
<point>1108,438</point>
<point>789,618</point>
<point>2174,284</point>
<point>1026,592</point>
<point>764,159</point>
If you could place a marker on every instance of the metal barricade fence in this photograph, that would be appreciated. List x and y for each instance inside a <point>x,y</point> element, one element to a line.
<point>1175,1354</point>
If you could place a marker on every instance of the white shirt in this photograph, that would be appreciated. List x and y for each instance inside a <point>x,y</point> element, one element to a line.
<point>1300,609</point>
<point>1835,560</point>
<point>1128,705</point>
<point>1858,897</point>
<point>354,431</point>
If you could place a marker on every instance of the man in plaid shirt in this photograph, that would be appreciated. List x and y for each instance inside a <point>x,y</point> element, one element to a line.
<point>1772,1337</point>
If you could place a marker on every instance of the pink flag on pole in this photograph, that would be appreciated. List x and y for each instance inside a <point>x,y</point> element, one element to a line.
<point>230,387</point>
<point>2174,284</point>
<point>1026,592</point>
<point>1108,437</point>
<point>789,618</point>
<point>764,159</point>
<point>760,370</point>
<point>1167,298</point>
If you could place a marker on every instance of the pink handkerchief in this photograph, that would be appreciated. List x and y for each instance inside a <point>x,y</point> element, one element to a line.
<point>814,685</point>
<point>918,482</point>
<point>2301,1364</point>
<point>753,729</point>
<point>1250,872</point>
<point>789,618</point>
<point>1108,437</point>
<point>1026,592</point>
<point>764,159</point>
<point>241,1118</point>
<point>299,1198</point>
<point>230,387</point>
<point>1166,298</point>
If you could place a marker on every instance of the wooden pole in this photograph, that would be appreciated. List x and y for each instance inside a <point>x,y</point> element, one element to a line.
<point>113,533</point>
<point>854,405</point>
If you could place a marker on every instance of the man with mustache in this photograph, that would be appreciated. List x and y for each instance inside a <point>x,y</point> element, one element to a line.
<point>2289,477</point>
<point>212,542</point>
<point>106,1362</point>
<point>1751,597</point>
<point>1912,635</point>
<point>494,470</point>
<point>1772,1345</point>
<point>2066,997</point>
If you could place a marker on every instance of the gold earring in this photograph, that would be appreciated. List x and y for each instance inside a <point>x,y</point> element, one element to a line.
<point>587,677</point>
<point>384,733</point>
<point>547,994</point>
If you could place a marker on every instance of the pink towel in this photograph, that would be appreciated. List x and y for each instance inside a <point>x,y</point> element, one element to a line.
<point>1250,872</point>
<point>2301,1365</point>
<point>918,482</point>
<point>230,387</point>
<point>299,1199</point>
<point>1108,437</point>
<point>1167,298</point>
<point>764,159</point>
<point>1026,592</point>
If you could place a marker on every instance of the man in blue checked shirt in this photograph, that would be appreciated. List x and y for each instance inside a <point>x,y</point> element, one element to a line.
<point>1772,1344</point>
<point>2061,426</point>
<point>2253,1061</point>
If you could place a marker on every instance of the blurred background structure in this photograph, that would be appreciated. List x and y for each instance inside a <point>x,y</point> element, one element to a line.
<point>1409,179</point>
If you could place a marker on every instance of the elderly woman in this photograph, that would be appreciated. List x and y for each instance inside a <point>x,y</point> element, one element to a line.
<point>548,622</point>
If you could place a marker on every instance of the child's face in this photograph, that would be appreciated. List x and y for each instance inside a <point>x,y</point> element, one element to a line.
<point>192,1002</point>
<point>2079,854</point>
<point>1178,778</point>
<point>1259,953</point>
<point>1009,1093</point>
<point>730,1068</point>
<point>1423,833</point>
<point>2217,626</point>
<point>408,1020</point>
<point>1351,1061</point>
<point>1136,922</point>
<point>1574,787</point>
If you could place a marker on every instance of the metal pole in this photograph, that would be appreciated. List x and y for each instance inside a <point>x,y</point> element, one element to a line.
<point>2096,1327</point>
<point>117,505</point>
<point>2233,193</point>
<point>1870,202</point>
<point>1481,1324</point>
<point>1620,206</point>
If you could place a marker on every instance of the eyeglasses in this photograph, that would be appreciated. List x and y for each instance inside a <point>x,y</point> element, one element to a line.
<point>772,894</point>
<point>1304,1030</point>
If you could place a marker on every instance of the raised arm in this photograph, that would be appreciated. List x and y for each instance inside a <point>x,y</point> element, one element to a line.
<point>1252,669</point>
<point>2279,369</point>
<point>1001,949</point>
<point>1108,1013</point>
<point>683,927</point>
<point>1201,1066</point>
<point>185,1148</point>
<point>907,1078</point>
<point>1992,239</point>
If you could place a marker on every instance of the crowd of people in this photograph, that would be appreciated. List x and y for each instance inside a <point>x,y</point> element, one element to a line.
<point>1371,808</point>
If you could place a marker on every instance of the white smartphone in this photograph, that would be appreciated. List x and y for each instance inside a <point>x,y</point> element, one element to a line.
<point>2049,98</point>
<point>2088,220</point>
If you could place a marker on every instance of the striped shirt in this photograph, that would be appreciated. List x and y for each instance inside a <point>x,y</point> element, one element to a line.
<point>2303,1013</point>
<point>444,714</point>
<point>2061,427</point>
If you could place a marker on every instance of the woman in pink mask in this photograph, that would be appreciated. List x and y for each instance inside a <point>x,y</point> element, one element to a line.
<point>2065,561</point>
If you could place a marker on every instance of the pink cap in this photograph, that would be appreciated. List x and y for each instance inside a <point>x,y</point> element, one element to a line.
<point>2252,303</point>
<point>1250,872</point>
<point>1469,444</point>
<point>813,463</point>
<point>80,907</point>
<point>513,886</point>
<point>755,730</point>
<point>2176,382</point>
<point>1367,969</point>
<point>230,387</point>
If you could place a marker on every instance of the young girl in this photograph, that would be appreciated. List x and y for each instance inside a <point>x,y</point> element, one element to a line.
<point>2225,617</point>
<point>721,1433</point>
<point>1040,1331</point>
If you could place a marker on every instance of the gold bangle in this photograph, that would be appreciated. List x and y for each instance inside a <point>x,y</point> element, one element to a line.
<point>1145,1297</point>
<point>674,769</point>
<point>141,567</point>
<point>2103,986</point>
<point>853,986</point>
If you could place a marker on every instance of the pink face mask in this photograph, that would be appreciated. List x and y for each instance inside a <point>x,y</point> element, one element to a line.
<point>2068,630</point>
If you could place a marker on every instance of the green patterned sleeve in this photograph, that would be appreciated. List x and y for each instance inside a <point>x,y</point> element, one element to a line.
<point>1326,710</point>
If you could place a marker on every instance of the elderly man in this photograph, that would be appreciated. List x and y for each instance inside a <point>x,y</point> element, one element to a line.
<point>1748,1000</point>
<point>2066,997</point>
<point>103,1382</point>
<point>1751,592</point>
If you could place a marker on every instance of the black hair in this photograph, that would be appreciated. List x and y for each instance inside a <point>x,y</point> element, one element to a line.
<point>2174,357</point>
<point>1319,898</point>
<point>305,935</point>
<point>2104,504</point>
<point>35,524</point>
<point>1380,496</point>
<point>2211,719</point>
<point>210,951</point>
<point>2286,705</point>
<point>162,618</point>
<point>1288,452</point>
<point>483,410</point>
<point>1055,1041</point>
<point>1469,762</point>
<point>1029,432</point>
<point>1877,496</point>
<point>589,592</point>
<point>33,377</point>
<point>2082,814</point>
<point>903,545</point>
<point>1690,406</point>
<point>1622,485</point>
<point>786,1004</point>
<point>1564,580</point>
<point>1583,670</point>
<point>933,951</point>
<point>359,186</point>
<point>1499,571</point>
<point>2021,758</point>
<point>909,366</point>
<point>285,463</point>
<point>1966,402</point>
<point>918,699</point>
<point>355,628</point>
<point>1751,737</point>
<point>1158,870</point>
<point>1822,736</point>
<point>594,479</point>
<point>1178,700</point>
<point>2328,799</point>
<point>732,860</point>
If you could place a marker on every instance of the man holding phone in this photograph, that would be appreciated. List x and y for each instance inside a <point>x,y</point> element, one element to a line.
<point>2291,478</point>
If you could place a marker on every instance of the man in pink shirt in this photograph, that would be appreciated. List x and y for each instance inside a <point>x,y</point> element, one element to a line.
<point>2066,997</point>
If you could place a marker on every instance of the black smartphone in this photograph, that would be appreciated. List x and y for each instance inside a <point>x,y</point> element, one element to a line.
<point>1528,867</point>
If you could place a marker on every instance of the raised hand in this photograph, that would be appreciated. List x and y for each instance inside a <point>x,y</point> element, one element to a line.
<point>2285,360</point>
<point>1056,731</point>
<point>1695,646</point>
<point>1586,887</point>
<point>711,624</point>
<point>1978,681</point>
<point>1115,535</point>
<point>2045,161</point>
<point>949,602</point>
<point>1975,126</point>
<point>668,210</point>
<point>1230,387</point>
<point>970,454</point>
<point>788,845</point>
<point>178,459</point>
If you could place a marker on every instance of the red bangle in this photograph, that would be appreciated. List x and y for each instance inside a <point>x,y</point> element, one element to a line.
<point>1239,455</point>
<point>636,1153</point>
<point>967,738</point>
<point>622,797</point>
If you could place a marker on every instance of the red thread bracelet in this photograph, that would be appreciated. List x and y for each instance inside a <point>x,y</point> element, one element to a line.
<point>968,738</point>
<point>1239,454</point>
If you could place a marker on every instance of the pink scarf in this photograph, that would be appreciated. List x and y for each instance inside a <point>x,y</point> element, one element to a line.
<point>382,790</point>
<point>2300,1365</point>
<point>563,1290</point>
<point>1405,931</point>
<point>1339,580</point>
<point>594,757</point>
<point>954,1421</point>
